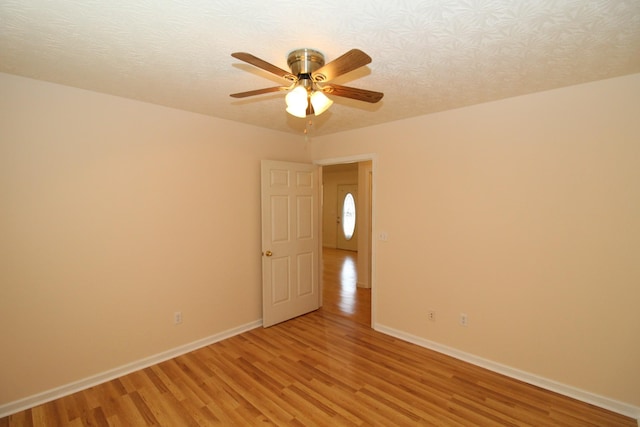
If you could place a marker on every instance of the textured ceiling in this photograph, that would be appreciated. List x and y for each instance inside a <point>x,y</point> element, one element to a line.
<point>428,56</point>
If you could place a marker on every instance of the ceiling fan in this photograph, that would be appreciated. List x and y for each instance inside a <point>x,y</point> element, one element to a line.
<point>309,80</point>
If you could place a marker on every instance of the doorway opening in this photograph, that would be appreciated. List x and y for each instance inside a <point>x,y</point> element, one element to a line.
<point>347,190</point>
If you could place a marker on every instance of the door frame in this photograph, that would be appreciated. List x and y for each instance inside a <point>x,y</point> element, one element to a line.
<point>372,262</point>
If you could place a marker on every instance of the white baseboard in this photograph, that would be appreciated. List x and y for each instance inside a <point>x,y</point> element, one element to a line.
<point>67,389</point>
<point>575,393</point>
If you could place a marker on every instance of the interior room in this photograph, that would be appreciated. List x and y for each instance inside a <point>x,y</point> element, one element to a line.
<point>501,220</point>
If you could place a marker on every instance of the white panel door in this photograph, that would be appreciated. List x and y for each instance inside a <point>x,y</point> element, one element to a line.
<point>290,240</point>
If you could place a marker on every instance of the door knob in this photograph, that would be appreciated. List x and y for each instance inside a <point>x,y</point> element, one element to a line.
<point>268,253</point>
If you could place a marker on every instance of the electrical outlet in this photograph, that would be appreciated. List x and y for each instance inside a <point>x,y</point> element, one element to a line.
<point>464,319</point>
<point>177,317</point>
<point>431,315</point>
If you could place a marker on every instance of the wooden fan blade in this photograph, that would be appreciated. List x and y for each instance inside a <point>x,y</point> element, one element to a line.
<point>258,92</point>
<point>350,61</point>
<point>353,93</point>
<point>253,60</point>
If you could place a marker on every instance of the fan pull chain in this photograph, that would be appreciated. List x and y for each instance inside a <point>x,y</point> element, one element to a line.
<point>307,131</point>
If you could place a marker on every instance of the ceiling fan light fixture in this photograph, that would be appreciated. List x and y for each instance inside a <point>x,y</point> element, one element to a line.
<point>309,78</point>
<point>320,102</point>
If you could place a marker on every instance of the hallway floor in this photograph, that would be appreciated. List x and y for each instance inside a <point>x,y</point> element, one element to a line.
<point>340,294</point>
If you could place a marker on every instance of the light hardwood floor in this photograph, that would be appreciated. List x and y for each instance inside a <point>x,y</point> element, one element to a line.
<point>340,294</point>
<point>328,368</point>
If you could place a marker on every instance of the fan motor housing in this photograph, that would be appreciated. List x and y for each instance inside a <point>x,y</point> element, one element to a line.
<point>305,61</point>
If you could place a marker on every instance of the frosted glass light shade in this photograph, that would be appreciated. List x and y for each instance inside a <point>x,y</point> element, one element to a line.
<point>297,102</point>
<point>298,112</point>
<point>320,102</point>
<point>297,97</point>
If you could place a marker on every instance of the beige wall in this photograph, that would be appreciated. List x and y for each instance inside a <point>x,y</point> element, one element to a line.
<point>524,214</point>
<point>113,215</point>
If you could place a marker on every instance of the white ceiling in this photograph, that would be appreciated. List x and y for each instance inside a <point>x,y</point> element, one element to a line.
<point>428,56</point>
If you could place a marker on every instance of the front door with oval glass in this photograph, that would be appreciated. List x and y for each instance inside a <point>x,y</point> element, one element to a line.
<point>347,217</point>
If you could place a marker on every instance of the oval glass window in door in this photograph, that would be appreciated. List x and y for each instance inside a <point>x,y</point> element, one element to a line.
<point>348,216</point>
